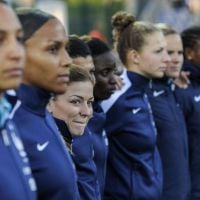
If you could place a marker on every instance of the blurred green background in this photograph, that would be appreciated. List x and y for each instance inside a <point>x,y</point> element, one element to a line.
<point>81,16</point>
<point>87,15</point>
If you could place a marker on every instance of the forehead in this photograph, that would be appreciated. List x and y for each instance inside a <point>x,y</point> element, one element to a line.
<point>174,41</point>
<point>52,30</point>
<point>174,37</point>
<point>84,61</point>
<point>106,60</point>
<point>8,19</point>
<point>83,89</point>
<point>156,39</point>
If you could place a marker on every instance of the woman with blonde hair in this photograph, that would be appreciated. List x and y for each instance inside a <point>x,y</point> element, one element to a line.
<point>134,167</point>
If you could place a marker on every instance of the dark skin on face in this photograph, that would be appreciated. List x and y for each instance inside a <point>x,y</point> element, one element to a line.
<point>47,61</point>
<point>193,54</point>
<point>105,67</point>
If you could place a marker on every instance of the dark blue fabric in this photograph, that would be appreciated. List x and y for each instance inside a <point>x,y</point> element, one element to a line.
<point>16,181</point>
<point>134,168</point>
<point>100,143</point>
<point>189,100</point>
<point>12,99</point>
<point>82,155</point>
<point>172,139</point>
<point>50,161</point>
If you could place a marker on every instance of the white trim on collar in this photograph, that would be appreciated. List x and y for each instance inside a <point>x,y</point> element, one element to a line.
<point>107,104</point>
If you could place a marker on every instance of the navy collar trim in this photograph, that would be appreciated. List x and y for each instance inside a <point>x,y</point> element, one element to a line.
<point>33,98</point>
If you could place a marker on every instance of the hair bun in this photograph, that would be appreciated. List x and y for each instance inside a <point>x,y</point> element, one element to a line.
<point>121,20</point>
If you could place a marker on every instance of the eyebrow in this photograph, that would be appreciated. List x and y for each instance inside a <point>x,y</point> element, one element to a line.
<point>5,31</point>
<point>81,97</point>
<point>58,41</point>
<point>74,95</point>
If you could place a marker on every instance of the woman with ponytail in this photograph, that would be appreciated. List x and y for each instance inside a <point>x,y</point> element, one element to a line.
<point>134,167</point>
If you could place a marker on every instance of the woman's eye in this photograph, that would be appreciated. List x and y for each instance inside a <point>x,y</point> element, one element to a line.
<point>53,49</point>
<point>170,52</point>
<point>2,38</point>
<point>20,39</point>
<point>105,72</point>
<point>90,103</point>
<point>92,71</point>
<point>75,102</point>
<point>159,51</point>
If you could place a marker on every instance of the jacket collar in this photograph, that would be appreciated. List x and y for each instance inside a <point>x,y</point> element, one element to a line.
<point>34,98</point>
<point>5,109</point>
<point>194,70</point>
<point>139,82</point>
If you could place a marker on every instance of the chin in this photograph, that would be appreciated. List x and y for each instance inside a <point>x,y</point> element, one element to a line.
<point>59,90</point>
<point>158,75</point>
<point>173,75</point>
<point>105,96</point>
<point>77,133</point>
<point>12,85</point>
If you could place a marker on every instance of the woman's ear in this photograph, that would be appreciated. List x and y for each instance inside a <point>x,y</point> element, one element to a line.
<point>189,53</point>
<point>133,57</point>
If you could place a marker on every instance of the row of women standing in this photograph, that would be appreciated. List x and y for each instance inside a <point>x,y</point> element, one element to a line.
<point>150,114</point>
<point>134,167</point>
<point>46,74</point>
<point>46,71</point>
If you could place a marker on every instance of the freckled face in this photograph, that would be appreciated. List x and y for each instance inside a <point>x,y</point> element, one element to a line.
<point>11,49</point>
<point>47,61</point>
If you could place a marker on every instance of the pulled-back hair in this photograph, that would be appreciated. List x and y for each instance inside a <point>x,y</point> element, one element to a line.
<point>32,19</point>
<point>190,36</point>
<point>98,47</point>
<point>130,34</point>
<point>78,74</point>
<point>166,29</point>
<point>77,48</point>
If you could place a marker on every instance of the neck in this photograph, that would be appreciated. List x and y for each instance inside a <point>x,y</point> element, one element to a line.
<point>136,69</point>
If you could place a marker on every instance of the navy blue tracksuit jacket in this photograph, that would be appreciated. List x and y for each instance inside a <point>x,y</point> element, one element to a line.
<point>16,181</point>
<point>189,99</point>
<point>171,140</point>
<point>100,143</point>
<point>82,155</point>
<point>134,168</point>
<point>49,159</point>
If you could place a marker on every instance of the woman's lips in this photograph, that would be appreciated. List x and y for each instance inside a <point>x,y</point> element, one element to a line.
<point>64,78</point>
<point>15,71</point>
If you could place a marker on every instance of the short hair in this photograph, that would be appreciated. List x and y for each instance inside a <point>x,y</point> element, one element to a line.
<point>190,36</point>
<point>32,19</point>
<point>98,47</point>
<point>77,48</point>
<point>129,33</point>
<point>78,74</point>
